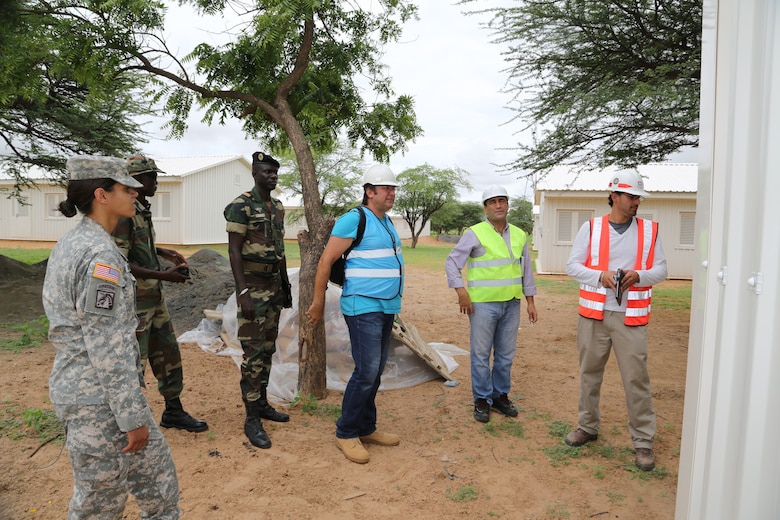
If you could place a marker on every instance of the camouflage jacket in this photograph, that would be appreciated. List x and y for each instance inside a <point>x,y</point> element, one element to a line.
<point>88,295</point>
<point>136,239</point>
<point>263,227</point>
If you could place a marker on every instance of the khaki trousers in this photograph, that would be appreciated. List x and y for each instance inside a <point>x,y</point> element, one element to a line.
<point>595,339</point>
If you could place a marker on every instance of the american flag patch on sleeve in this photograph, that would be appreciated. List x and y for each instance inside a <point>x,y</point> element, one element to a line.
<point>106,272</point>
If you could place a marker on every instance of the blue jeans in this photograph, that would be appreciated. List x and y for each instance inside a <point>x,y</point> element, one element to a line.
<point>493,328</point>
<point>369,335</point>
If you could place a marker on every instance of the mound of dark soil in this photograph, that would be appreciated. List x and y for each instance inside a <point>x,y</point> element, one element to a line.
<point>211,284</point>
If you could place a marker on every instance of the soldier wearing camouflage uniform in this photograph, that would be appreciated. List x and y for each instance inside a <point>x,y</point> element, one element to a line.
<point>136,239</point>
<point>114,445</point>
<point>255,226</point>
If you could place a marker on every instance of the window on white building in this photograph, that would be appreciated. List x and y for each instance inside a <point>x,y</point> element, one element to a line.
<point>52,201</point>
<point>687,222</point>
<point>569,222</point>
<point>161,205</point>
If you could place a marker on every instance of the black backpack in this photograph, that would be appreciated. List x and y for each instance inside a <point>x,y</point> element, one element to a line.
<point>337,269</point>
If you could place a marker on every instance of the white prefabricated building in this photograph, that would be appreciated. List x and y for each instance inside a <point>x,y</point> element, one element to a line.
<point>187,208</point>
<point>567,198</point>
<point>730,453</point>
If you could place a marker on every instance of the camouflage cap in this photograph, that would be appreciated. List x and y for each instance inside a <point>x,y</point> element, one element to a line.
<point>83,167</point>
<point>138,164</point>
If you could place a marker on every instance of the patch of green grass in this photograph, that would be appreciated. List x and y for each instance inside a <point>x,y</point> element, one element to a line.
<point>463,494</point>
<point>558,429</point>
<point>311,406</point>
<point>615,497</point>
<point>28,256</point>
<point>558,285</point>
<point>561,454</point>
<point>559,511</point>
<point>534,413</point>
<point>33,423</point>
<point>675,297</point>
<point>514,428</point>
<point>427,256</point>
<point>28,335</point>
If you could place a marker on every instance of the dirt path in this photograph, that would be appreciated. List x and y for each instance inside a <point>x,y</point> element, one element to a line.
<point>447,466</point>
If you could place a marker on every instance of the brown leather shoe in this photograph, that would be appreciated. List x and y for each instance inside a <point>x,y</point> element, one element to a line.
<point>645,459</point>
<point>353,449</point>
<point>579,437</point>
<point>381,438</point>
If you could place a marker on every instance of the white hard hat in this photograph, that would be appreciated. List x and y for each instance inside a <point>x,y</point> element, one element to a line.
<point>628,181</point>
<point>494,191</point>
<point>379,175</point>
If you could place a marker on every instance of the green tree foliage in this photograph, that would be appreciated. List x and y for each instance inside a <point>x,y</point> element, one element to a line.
<point>289,69</point>
<point>53,106</point>
<point>455,216</point>
<point>521,214</point>
<point>339,176</point>
<point>602,82</point>
<point>423,191</point>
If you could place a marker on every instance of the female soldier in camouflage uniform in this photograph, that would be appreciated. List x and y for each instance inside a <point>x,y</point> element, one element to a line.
<point>114,444</point>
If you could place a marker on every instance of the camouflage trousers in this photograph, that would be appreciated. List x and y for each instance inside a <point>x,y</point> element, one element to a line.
<point>157,343</point>
<point>103,475</point>
<point>258,339</point>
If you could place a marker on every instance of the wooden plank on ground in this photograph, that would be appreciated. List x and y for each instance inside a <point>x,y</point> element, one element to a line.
<point>407,334</point>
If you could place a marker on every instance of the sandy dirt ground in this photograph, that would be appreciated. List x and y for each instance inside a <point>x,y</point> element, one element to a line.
<point>447,465</point>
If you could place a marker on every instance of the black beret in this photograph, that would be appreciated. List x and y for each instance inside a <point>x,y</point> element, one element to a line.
<point>260,157</point>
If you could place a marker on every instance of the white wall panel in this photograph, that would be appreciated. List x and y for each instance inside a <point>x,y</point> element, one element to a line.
<point>729,457</point>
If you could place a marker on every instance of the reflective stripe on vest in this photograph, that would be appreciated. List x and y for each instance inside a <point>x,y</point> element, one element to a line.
<point>496,276</point>
<point>592,299</point>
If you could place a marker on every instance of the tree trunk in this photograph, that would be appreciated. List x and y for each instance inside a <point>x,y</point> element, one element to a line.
<point>312,364</point>
<point>311,343</point>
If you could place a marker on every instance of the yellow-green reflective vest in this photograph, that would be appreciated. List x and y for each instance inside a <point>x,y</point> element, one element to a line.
<point>496,276</point>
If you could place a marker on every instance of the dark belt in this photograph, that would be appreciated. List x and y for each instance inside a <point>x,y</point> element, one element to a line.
<point>254,267</point>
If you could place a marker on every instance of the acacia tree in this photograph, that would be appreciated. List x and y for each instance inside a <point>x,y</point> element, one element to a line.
<point>423,191</point>
<point>457,216</point>
<point>338,178</point>
<point>51,107</point>
<point>602,82</point>
<point>287,70</point>
<point>521,214</point>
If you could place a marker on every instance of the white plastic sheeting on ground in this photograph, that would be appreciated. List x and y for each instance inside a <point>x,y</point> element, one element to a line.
<point>404,368</point>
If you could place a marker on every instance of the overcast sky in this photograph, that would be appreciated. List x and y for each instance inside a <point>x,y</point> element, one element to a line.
<point>445,61</point>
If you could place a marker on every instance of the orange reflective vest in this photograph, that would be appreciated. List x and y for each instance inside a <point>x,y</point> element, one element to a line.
<point>592,299</point>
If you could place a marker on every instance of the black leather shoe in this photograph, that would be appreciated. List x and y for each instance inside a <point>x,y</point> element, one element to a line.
<point>481,410</point>
<point>253,428</point>
<point>174,416</point>
<point>267,411</point>
<point>505,406</point>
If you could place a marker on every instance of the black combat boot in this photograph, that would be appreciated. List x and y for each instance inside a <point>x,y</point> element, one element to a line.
<point>174,416</point>
<point>267,411</point>
<point>253,426</point>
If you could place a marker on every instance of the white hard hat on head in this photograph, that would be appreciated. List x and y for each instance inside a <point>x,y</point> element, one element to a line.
<point>628,181</point>
<point>494,191</point>
<point>379,175</point>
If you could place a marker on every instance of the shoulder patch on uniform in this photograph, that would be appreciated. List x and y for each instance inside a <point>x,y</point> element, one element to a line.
<point>106,272</point>
<point>247,194</point>
<point>105,293</point>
